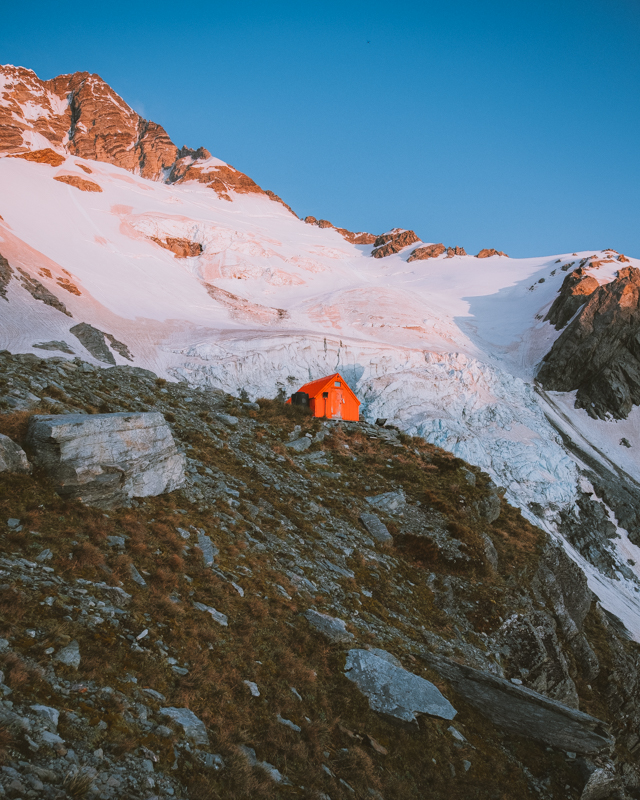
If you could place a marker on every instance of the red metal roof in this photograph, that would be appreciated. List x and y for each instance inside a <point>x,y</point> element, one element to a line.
<point>313,388</point>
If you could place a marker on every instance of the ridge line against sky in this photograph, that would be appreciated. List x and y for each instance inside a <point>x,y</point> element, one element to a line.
<point>480,125</point>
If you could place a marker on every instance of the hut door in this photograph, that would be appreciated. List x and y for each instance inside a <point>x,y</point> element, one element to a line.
<point>339,402</point>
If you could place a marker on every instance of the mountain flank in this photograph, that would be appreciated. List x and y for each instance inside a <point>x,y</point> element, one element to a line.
<point>226,639</point>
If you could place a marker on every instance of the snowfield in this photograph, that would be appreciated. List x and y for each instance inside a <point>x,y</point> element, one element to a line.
<point>446,348</point>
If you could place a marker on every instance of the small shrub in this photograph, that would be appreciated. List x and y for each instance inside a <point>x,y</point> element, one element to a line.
<point>77,784</point>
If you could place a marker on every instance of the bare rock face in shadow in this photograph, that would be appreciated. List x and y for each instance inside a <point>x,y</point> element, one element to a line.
<point>598,354</point>
<point>574,293</point>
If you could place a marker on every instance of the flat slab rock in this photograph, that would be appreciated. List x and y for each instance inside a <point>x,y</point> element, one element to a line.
<point>376,527</point>
<point>105,459</point>
<point>525,712</point>
<point>393,690</point>
<point>334,629</point>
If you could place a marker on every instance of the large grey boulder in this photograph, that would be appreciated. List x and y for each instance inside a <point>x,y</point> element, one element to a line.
<point>394,691</point>
<point>105,459</point>
<point>12,456</point>
<point>524,712</point>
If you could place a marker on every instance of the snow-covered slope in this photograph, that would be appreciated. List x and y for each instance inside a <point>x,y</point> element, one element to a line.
<point>446,347</point>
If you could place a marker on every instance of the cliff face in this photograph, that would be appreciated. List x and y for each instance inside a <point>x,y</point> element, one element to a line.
<point>598,354</point>
<point>83,115</point>
<point>575,291</point>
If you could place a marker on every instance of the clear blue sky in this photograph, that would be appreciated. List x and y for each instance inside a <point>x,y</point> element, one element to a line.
<point>512,125</point>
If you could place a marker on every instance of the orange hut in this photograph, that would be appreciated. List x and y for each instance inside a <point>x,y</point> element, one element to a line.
<point>328,397</point>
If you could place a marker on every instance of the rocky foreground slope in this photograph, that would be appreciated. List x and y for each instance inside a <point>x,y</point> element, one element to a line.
<point>319,609</point>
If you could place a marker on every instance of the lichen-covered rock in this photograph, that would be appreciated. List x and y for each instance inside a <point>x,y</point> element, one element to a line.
<point>106,459</point>
<point>394,691</point>
<point>12,456</point>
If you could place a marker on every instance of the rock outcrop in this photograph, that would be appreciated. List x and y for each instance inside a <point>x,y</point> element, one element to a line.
<point>45,156</point>
<point>393,242</point>
<point>355,238</point>
<point>598,354</point>
<point>83,115</point>
<point>334,629</point>
<point>106,459</point>
<point>523,711</point>
<point>430,251</point>
<point>80,183</point>
<point>181,248</point>
<point>456,251</point>
<point>392,690</point>
<point>12,456</point>
<point>574,293</point>
<point>97,343</point>
<point>489,251</point>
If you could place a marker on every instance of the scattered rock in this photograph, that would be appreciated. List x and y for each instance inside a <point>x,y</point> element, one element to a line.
<point>221,619</point>
<point>603,784</point>
<point>193,727</point>
<point>275,774</point>
<point>136,577</point>
<point>376,527</point>
<point>12,456</point>
<point>394,691</point>
<point>50,715</point>
<point>253,688</point>
<point>299,445</point>
<point>207,548</point>
<point>334,629</point>
<point>288,724</point>
<point>389,501</point>
<point>105,459</point>
<point>69,655</point>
